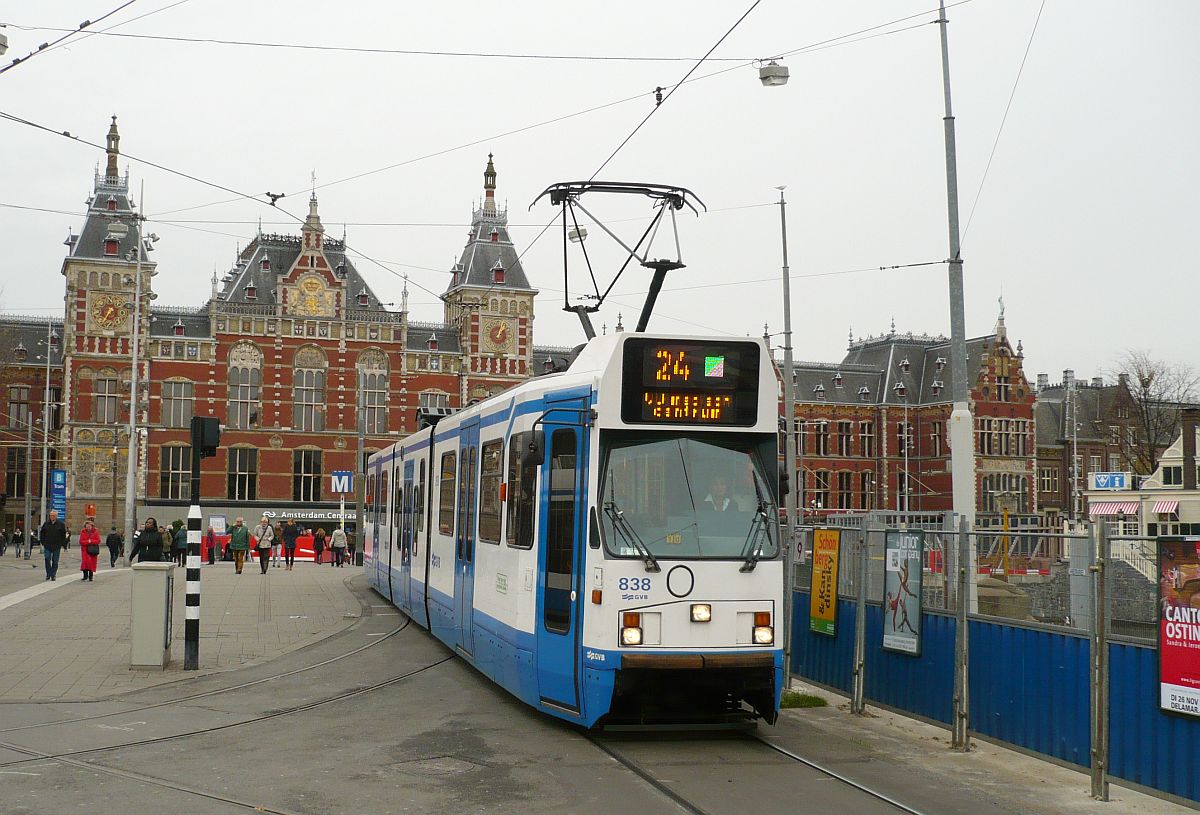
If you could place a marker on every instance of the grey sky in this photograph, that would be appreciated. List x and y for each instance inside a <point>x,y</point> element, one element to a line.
<point>1085,219</point>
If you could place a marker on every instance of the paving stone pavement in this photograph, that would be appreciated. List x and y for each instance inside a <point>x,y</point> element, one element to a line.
<point>70,640</point>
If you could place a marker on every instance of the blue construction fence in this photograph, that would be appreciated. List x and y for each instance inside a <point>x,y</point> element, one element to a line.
<point>1029,687</point>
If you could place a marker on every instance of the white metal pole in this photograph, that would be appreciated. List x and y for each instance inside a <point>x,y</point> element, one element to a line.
<point>788,539</point>
<point>962,436</point>
<point>134,401</point>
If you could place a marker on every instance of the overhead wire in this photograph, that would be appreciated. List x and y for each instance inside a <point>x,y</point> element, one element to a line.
<point>996,143</point>
<point>70,32</point>
<point>90,33</point>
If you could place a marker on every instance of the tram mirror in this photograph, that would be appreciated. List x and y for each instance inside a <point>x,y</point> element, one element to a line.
<point>785,481</point>
<point>536,452</point>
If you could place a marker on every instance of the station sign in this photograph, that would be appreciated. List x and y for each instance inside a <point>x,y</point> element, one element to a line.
<point>1179,626</point>
<point>58,492</point>
<point>341,481</point>
<point>1112,481</point>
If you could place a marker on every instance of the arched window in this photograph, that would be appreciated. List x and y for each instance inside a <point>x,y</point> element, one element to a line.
<point>245,386</point>
<point>373,370</point>
<point>309,387</point>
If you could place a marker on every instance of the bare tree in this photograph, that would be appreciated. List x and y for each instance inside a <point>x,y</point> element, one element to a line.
<point>1158,390</point>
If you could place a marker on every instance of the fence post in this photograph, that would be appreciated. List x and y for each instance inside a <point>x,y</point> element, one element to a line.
<point>859,677</point>
<point>961,734</point>
<point>1099,683</point>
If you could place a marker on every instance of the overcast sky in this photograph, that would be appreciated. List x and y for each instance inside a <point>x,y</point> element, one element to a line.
<point>1086,221</point>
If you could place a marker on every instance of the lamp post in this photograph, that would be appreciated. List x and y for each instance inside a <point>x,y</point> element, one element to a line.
<point>29,423</point>
<point>113,512</point>
<point>50,342</point>
<point>134,387</point>
<point>901,390</point>
<point>788,539</point>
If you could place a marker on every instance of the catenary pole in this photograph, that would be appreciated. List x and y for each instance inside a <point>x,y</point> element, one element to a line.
<point>962,436</point>
<point>360,480</point>
<point>46,420</point>
<point>788,538</point>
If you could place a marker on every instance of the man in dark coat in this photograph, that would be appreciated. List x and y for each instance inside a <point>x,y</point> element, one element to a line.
<point>115,544</point>
<point>53,537</point>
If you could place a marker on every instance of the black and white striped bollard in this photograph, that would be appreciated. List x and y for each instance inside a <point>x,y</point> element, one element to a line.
<point>191,623</point>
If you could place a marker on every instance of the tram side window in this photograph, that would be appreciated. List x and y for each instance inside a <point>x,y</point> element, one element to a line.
<point>446,495</point>
<point>560,533</point>
<point>419,502</point>
<point>492,470</point>
<point>369,497</point>
<point>398,505</point>
<point>381,517</point>
<point>522,480</point>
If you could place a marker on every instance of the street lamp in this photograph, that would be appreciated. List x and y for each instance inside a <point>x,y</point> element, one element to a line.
<point>113,512</point>
<point>134,387</point>
<point>29,423</point>
<point>961,431</point>
<point>901,390</point>
<point>49,343</point>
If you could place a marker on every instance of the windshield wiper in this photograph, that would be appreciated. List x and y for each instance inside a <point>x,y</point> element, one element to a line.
<point>751,551</point>
<point>626,531</point>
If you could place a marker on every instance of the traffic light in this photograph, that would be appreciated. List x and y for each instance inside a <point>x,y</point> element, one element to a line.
<point>206,435</point>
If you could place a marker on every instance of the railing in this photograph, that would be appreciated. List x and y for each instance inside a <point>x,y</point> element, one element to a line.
<point>1137,554</point>
<point>247,309</point>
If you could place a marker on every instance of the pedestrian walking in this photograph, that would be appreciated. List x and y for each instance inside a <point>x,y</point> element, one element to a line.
<point>291,535</point>
<point>115,544</point>
<point>350,541</point>
<point>318,545</point>
<point>54,540</point>
<point>276,544</point>
<point>150,544</point>
<point>89,549</point>
<point>337,545</point>
<point>18,540</point>
<point>239,543</point>
<point>210,540</point>
<point>266,544</point>
<point>3,541</point>
<point>179,543</point>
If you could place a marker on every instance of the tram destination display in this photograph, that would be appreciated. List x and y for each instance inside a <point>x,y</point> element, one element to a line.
<point>1179,625</point>
<point>689,382</point>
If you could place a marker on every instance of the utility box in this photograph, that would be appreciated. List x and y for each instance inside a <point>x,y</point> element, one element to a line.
<point>150,615</point>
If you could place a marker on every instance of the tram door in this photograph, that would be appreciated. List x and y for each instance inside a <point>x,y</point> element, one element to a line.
<point>464,545</point>
<point>559,558</point>
<point>406,536</point>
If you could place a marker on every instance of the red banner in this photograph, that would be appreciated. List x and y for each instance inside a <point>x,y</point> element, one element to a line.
<point>1179,625</point>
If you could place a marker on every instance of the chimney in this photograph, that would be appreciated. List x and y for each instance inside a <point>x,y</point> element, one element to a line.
<point>1123,380</point>
<point>1190,418</point>
<point>1043,382</point>
<point>1068,378</point>
<point>1097,382</point>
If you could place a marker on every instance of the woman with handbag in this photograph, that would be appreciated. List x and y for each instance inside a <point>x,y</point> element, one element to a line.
<point>265,543</point>
<point>89,549</point>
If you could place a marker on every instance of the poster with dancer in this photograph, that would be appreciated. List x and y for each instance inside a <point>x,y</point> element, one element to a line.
<point>823,597</point>
<point>904,554</point>
<point>1179,625</point>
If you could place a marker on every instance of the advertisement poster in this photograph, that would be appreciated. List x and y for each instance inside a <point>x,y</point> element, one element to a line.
<point>217,522</point>
<point>1179,625</point>
<point>904,553</point>
<point>822,609</point>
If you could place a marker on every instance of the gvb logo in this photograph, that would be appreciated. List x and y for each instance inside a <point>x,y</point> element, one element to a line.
<point>342,481</point>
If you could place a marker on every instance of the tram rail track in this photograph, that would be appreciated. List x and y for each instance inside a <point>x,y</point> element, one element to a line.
<point>694,807</point>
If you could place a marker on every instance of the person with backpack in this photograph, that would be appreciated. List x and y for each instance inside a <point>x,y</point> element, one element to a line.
<point>337,546</point>
<point>179,543</point>
<point>89,550</point>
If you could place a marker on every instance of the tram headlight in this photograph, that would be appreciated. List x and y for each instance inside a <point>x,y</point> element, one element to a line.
<point>764,633</point>
<point>631,628</point>
<point>701,612</point>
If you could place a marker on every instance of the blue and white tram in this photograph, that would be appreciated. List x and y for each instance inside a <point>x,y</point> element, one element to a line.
<point>601,542</point>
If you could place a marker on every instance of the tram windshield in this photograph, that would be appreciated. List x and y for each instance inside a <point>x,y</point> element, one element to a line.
<point>703,496</point>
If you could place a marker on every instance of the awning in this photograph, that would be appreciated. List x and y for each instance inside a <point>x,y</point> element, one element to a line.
<point>1166,507</point>
<point>1113,508</point>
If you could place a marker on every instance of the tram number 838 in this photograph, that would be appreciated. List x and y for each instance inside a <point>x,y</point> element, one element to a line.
<point>633,584</point>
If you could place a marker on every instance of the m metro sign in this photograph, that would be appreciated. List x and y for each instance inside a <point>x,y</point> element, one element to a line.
<point>341,481</point>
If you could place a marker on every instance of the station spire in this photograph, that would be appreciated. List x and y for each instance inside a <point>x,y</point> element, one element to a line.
<point>113,149</point>
<point>489,188</point>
